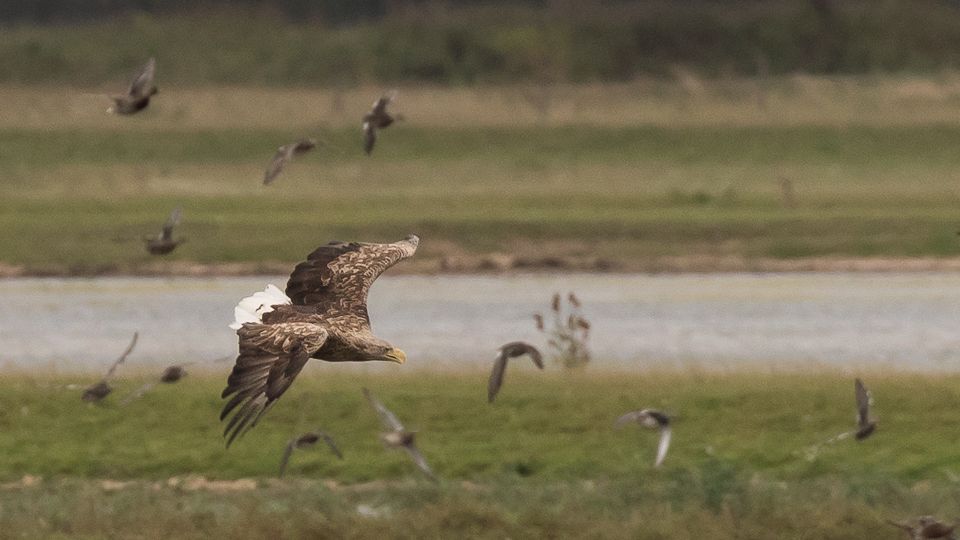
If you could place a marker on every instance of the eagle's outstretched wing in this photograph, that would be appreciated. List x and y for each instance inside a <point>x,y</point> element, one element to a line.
<point>336,277</point>
<point>270,358</point>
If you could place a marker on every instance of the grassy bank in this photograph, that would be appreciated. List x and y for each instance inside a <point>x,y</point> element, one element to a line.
<point>622,197</point>
<point>543,460</point>
<point>628,177</point>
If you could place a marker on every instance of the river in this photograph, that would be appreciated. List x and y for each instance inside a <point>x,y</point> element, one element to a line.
<point>911,320</point>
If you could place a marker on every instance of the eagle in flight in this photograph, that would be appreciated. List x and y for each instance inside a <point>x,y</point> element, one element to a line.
<point>322,315</point>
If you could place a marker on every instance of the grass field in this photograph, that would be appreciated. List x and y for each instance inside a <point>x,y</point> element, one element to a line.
<point>543,460</point>
<point>618,176</point>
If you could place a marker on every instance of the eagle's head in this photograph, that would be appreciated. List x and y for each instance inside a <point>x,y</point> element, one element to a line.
<point>381,350</point>
<point>394,355</point>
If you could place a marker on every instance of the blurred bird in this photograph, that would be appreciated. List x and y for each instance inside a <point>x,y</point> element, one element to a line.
<point>170,375</point>
<point>377,118</point>
<point>304,441</point>
<point>538,320</point>
<point>164,243</point>
<point>322,314</point>
<point>506,352</point>
<point>930,527</point>
<point>865,426</point>
<point>584,325</point>
<point>102,389</point>
<point>653,419</point>
<point>138,95</point>
<point>283,156</point>
<point>397,436</point>
<point>927,527</point>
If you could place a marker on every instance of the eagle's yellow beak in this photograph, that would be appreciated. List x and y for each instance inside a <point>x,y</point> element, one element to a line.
<point>396,355</point>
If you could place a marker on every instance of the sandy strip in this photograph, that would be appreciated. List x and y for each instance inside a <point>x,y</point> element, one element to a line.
<point>499,263</point>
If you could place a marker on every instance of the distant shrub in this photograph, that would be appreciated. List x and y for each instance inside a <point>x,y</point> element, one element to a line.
<point>463,42</point>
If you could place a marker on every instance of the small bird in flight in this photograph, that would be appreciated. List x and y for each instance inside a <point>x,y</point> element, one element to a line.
<point>138,95</point>
<point>506,352</point>
<point>305,441</point>
<point>170,375</point>
<point>377,118</point>
<point>865,425</point>
<point>102,389</point>
<point>397,436</point>
<point>164,243</point>
<point>283,156</point>
<point>653,419</point>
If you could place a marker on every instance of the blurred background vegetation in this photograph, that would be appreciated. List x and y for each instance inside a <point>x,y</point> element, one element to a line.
<point>642,135</point>
<point>458,42</point>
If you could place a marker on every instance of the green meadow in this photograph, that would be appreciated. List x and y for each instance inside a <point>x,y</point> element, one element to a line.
<point>544,460</point>
<point>870,163</point>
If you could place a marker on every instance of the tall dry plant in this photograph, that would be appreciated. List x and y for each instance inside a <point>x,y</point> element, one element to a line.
<point>567,333</point>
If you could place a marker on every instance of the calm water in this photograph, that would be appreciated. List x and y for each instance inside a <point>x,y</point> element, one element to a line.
<point>908,320</point>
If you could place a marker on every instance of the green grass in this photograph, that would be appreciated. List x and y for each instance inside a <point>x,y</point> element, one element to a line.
<point>626,195</point>
<point>543,460</point>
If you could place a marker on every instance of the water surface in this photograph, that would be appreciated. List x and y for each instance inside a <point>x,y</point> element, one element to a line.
<point>856,319</point>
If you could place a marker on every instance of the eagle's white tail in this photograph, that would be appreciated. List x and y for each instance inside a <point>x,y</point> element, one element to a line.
<point>252,308</point>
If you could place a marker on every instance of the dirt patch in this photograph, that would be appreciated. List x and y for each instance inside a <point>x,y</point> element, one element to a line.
<point>27,481</point>
<point>199,483</point>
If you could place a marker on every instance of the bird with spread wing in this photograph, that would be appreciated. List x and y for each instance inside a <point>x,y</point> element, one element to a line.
<point>398,436</point>
<point>284,155</point>
<point>377,118</point>
<point>322,314</point>
<point>164,242</point>
<point>138,95</point>
<point>102,389</point>
<point>653,419</point>
<point>305,441</point>
<point>510,350</point>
